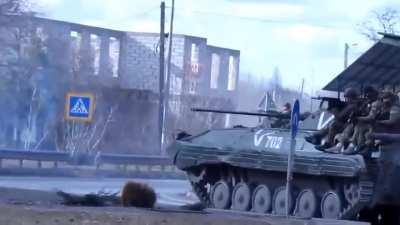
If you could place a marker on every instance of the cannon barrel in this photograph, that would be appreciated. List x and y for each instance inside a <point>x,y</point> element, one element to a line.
<point>273,114</point>
<point>325,98</point>
<point>266,114</point>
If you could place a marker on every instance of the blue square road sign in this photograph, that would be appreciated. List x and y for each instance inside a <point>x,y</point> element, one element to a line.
<point>79,106</point>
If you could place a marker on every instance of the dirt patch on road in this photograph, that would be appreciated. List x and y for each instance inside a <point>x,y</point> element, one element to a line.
<point>17,196</point>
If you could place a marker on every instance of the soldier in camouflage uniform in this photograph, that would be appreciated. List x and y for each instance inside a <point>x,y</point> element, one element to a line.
<point>284,121</point>
<point>363,124</point>
<point>353,105</point>
<point>392,123</point>
<point>387,121</point>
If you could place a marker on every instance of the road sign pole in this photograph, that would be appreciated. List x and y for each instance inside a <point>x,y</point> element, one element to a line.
<point>294,121</point>
<point>289,175</point>
<point>162,79</point>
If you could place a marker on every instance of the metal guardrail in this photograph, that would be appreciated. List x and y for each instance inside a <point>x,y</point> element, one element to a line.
<point>126,159</point>
<point>39,156</point>
<point>98,160</point>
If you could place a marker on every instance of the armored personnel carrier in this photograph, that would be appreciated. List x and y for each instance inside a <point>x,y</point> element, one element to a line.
<point>244,169</point>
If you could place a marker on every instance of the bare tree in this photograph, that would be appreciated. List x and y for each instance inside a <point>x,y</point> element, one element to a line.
<point>15,70</point>
<point>11,6</point>
<point>16,7</point>
<point>385,20</point>
<point>85,137</point>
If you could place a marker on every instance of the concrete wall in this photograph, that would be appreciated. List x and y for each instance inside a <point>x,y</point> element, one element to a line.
<point>141,60</point>
<point>138,58</point>
<point>122,70</point>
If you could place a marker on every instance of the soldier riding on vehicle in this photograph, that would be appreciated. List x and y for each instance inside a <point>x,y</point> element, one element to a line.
<point>284,121</point>
<point>342,115</point>
<point>362,124</point>
<point>389,121</point>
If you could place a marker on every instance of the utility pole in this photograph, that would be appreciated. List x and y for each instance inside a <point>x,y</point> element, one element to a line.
<point>168,78</point>
<point>171,29</point>
<point>302,89</point>
<point>312,89</point>
<point>162,79</point>
<point>346,55</point>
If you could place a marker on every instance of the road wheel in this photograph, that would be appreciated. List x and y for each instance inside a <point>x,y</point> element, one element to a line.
<point>241,197</point>
<point>331,205</point>
<point>279,201</point>
<point>221,195</point>
<point>306,204</point>
<point>261,200</point>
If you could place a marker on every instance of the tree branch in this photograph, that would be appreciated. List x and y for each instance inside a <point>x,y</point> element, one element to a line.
<point>386,20</point>
<point>109,118</point>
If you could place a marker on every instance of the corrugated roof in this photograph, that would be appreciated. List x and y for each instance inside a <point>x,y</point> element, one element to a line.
<point>379,66</point>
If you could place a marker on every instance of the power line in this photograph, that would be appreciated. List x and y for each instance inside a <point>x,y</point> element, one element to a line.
<point>264,20</point>
<point>146,12</point>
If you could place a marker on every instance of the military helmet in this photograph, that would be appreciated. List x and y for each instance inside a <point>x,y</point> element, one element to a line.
<point>388,96</point>
<point>370,90</point>
<point>287,105</point>
<point>351,93</point>
<point>371,93</point>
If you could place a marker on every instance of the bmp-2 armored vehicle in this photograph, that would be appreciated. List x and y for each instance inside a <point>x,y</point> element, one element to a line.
<point>244,169</point>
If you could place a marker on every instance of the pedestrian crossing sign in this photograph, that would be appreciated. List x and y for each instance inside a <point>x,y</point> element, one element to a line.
<point>79,107</point>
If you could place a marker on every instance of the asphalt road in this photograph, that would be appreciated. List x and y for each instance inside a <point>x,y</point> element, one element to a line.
<point>42,209</point>
<point>175,192</point>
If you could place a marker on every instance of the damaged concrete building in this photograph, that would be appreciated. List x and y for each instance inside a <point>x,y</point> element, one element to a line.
<point>122,70</point>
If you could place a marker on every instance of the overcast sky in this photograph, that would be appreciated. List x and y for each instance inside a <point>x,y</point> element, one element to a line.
<point>304,38</point>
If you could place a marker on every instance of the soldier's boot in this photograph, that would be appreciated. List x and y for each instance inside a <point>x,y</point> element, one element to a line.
<point>323,147</point>
<point>335,149</point>
<point>353,149</point>
<point>350,150</point>
<point>313,139</point>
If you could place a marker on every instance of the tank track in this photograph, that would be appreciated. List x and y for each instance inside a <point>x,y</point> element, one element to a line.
<point>198,184</point>
<point>364,191</point>
<point>201,192</point>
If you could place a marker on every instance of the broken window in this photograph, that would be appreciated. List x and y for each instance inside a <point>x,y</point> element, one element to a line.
<point>174,106</point>
<point>192,87</point>
<point>95,52</point>
<point>32,45</point>
<point>76,41</point>
<point>194,53</point>
<point>232,74</point>
<point>227,120</point>
<point>26,39</point>
<point>114,56</point>
<point>41,34</point>
<point>194,59</point>
<point>215,63</point>
<point>24,48</point>
<point>176,85</point>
